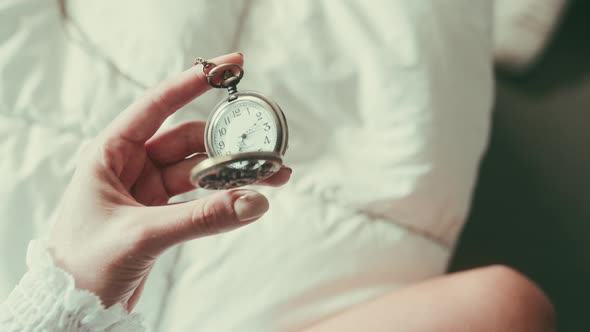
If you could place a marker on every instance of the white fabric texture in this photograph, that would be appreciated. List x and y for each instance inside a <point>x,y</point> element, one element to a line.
<point>388,104</point>
<point>46,300</point>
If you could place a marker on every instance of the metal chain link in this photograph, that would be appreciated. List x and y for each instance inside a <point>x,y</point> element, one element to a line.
<point>206,64</point>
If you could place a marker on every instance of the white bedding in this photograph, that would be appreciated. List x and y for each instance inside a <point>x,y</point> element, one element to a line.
<point>388,104</point>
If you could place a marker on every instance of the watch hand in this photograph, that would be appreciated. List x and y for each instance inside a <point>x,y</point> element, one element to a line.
<point>245,135</point>
<point>253,129</point>
<point>256,130</point>
<point>244,147</point>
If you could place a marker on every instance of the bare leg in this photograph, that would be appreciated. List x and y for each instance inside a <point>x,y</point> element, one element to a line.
<point>491,299</point>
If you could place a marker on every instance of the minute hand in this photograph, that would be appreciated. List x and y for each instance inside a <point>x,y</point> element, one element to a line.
<point>252,129</point>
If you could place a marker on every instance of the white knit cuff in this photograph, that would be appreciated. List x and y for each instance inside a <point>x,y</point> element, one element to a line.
<point>46,300</point>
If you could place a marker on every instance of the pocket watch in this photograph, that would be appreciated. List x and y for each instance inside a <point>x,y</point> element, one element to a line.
<point>246,134</point>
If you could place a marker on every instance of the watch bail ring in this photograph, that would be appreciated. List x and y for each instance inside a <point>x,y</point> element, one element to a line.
<point>237,72</point>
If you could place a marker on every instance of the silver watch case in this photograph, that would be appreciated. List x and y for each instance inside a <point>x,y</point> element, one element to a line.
<point>216,172</point>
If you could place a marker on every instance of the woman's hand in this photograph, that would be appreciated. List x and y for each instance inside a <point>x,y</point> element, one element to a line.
<point>114,220</point>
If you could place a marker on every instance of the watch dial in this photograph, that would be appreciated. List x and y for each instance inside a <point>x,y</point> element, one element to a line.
<point>244,126</point>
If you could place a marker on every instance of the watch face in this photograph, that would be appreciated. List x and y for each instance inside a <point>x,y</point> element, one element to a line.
<point>245,125</point>
<point>251,123</point>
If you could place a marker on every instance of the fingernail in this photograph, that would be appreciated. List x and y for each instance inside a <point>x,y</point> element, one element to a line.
<point>250,205</point>
<point>240,53</point>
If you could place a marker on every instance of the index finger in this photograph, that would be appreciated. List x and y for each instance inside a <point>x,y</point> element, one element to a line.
<point>143,118</point>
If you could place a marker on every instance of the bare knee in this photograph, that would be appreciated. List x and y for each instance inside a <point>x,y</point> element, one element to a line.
<point>513,302</point>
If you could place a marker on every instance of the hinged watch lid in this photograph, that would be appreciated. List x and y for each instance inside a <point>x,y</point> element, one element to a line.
<point>236,170</point>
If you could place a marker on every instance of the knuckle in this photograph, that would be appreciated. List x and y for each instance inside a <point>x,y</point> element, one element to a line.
<point>142,238</point>
<point>156,98</point>
<point>111,155</point>
<point>205,218</point>
<point>96,155</point>
<point>86,153</point>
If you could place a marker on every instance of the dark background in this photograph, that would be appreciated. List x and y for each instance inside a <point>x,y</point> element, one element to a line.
<point>532,203</point>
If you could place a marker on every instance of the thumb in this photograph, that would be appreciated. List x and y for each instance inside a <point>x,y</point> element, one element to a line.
<point>168,225</point>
